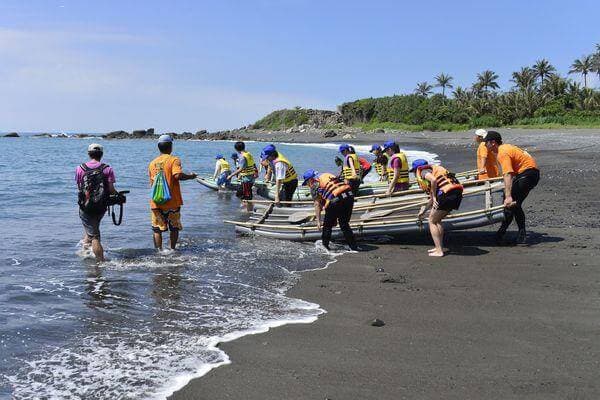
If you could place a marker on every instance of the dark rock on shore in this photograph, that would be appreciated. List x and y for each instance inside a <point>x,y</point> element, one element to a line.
<point>12,134</point>
<point>137,134</point>
<point>329,133</point>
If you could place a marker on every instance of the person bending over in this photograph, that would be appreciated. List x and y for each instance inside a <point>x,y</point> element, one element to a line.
<point>286,179</point>
<point>337,199</point>
<point>521,174</point>
<point>445,194</point>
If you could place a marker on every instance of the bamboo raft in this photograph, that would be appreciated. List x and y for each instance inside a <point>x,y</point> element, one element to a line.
<point>367,188</point>
<point>376,216</point>
<point>303,193</point>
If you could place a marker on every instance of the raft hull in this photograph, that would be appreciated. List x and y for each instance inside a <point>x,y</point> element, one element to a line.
<point>392,229</point>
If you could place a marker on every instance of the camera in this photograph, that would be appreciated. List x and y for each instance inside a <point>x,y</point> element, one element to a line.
<point>118,198</point>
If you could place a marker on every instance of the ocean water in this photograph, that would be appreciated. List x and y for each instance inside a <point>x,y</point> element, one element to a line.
<point>144,323</point>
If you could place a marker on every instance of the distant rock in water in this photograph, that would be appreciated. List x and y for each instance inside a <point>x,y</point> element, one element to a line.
<point>43,135</point>
<point>117,135</point>
<point>12,134</point>
<point>82,135</point>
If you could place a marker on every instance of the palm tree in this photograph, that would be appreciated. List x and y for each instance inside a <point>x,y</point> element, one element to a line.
<point>555,86</point>
<point>543,69</point>
<point>597,60</point>
<point>487,80</point>
<point>583,66</point>
<point>423,89</point>
<point>443,81</point>
<point>524,79</point>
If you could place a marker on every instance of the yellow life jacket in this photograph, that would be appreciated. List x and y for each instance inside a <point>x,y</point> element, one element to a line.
<point>403,175</point>
<point>347,171</point>
<point>445,180</point>
<point>250,168</point>
<point>290,172</point>
<point>224,165</point>
<point>380,167</point>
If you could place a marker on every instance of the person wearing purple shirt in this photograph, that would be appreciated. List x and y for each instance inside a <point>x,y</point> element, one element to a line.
<point>91,222</point>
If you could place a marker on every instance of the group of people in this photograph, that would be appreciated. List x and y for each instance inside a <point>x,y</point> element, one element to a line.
<point>333,194</point>
<point>96,182</point>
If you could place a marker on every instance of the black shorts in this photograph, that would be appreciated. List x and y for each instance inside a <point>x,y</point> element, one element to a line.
<point>450,201</point>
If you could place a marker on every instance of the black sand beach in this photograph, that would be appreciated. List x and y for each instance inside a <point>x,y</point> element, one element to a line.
<point>486,321</point>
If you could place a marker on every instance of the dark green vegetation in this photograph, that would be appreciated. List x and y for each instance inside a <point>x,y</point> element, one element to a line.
<point>282,119</point>
<point>539,97</point>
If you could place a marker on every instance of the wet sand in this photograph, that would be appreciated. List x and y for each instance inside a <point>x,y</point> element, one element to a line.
<point>486,321</point>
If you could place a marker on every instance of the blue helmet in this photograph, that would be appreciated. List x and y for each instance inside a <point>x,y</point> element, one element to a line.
<point>309,174</point>
<point>388,144</point>
<point>344,147</point>
<point>418,163</point>
<point>375,147</point>
<point>234,156</point>
<point>267,151</point>
<point>219,156</point>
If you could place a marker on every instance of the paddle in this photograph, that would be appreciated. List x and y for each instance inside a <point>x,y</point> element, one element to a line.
<point>383,213</point>
<point>301,216</point>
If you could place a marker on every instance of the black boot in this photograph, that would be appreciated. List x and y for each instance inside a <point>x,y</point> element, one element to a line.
<point>326,236</point>
<point>349,236</point>
<point>501,232</point>
<point>522,236</point>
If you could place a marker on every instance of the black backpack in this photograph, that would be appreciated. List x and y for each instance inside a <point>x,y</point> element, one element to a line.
<point>93,191</point>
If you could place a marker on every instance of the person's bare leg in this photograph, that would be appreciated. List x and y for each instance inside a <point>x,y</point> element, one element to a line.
<point>157,236</point>
<point>86,242</point>
<point>97,249</point>
<point>437,232</point>
<point>174,235</point>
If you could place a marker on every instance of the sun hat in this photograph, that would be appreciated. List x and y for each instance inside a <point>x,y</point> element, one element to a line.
<point>481,133</point>
<point>165,139</point>
<point>344,147</point>
<point>375,147</point>
<point>95,147</point>
<point>309,174</point>
<point>418,163</point>
<point>388,144</point>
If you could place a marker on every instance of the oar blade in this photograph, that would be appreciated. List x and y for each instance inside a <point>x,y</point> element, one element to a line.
<point>299,217</point>
<point>376,214</point>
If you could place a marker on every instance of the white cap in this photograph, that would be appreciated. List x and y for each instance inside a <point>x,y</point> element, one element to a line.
<point>165,139</point>
<point>95,147</point>
<point>481,132</point>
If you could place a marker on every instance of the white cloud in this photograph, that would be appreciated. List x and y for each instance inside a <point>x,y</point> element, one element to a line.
<point>58,81</point>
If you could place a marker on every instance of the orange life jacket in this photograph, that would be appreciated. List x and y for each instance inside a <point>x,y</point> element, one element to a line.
<point>330,188</point>
<point>446,181</point>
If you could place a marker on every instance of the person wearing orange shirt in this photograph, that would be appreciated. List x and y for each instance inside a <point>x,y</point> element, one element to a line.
<point>521,174</point>
<point>167,216</point>
<point>487,165</point>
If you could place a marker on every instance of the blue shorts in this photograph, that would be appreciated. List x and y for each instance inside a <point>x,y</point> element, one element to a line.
<point>222,179</point>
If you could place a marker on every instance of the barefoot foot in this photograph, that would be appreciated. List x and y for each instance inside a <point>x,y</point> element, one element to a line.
<point>436,254</point>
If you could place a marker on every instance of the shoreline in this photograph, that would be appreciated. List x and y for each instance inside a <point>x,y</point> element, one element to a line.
<point>515,306</point>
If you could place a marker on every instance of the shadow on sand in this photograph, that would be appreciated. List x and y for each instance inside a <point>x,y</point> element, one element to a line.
<point>469,243</point>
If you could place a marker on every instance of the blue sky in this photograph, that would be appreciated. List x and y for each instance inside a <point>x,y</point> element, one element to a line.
<point>96,66</point>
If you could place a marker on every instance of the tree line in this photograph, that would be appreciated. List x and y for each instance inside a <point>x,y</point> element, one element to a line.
<point>539,95</point>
